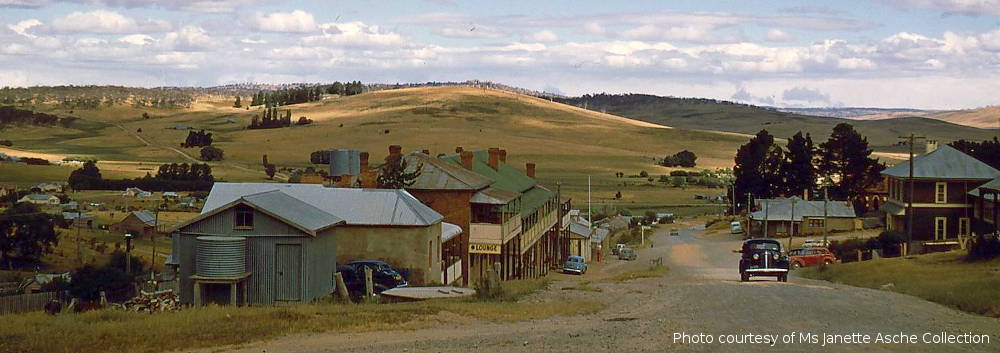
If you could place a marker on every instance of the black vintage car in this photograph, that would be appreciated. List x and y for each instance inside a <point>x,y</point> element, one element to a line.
<point>763,257</point>
<point>383,276</point>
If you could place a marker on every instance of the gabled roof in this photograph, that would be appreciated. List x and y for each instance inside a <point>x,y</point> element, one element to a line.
<point>355,206</point>
<point>599,235</point>
<point>437,174</point>
<point>292,211</point>
<point>493,196</point>
<point>504,178</point>
<point>146,217</point>
<point>945,162</point>
<point>992,184</point>
<point>781,209</point>
<point>39,197</point>
<point>579,230</point>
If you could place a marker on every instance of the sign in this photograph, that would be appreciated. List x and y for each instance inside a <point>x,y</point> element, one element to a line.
<point>483,248</point>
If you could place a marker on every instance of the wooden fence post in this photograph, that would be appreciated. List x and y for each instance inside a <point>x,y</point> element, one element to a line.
<point>342,287</point>
<point>369,286</point>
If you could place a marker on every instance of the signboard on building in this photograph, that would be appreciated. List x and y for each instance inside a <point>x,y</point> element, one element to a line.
<point>484,248</point>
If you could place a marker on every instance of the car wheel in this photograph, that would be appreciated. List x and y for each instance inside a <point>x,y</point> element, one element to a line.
<point>796,265</point>
<point>783,278</point>
<point>744,277</point>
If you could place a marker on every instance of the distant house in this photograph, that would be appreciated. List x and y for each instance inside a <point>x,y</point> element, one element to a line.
<point>7,189</point>
<point>779,216</point>
<point>48,187</point>
<point>942,181</point>
<point>985,201</point>
<point>40,199</point>
<point>139,223</point>
<point>600,241</point>
<point>136,192</point>
<point>282,242</point>
<point>72,205</point>
<point>170,195</point>
<point>579,240</point>
<point>79,219</point>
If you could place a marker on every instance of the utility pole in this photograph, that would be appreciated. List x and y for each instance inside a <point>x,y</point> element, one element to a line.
<point>909,198</point>
<point>826,197</point>
<point>749,195</point>
<point>791,225</point>
<point>79,247</point>
<point>766,220</point>
<point>590,210</point>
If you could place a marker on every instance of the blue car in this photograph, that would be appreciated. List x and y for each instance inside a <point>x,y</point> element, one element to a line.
<point>575,264</point>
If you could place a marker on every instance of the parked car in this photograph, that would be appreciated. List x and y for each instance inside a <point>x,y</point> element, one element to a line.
<point>384,277</point>
<point>806,257</point>
<point>575,264</point>
<point>735,227</point>
<point>627,254</point>
<point>762,257</point>
<point>674,232</point>
<point>815,243</point>
<point>617,248</point>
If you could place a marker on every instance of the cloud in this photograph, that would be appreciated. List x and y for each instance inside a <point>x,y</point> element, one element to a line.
<point>202,6</point>
<point>742,95</point>
<point>804,94</point>
<point>471,31</point>
<point>23,4</point>
<point>21,28</point>
<point>137,39</point>
<point>961,7</point>
<point>542,37</point>
<point>297,21</point>
<point>811,9</point>
<point>189,39</point>
<point>105,22</point>
<point>777,35</point>
<point>355,35</point>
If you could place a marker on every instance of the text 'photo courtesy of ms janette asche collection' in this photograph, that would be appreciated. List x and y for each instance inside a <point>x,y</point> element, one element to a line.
<point>825,339</point>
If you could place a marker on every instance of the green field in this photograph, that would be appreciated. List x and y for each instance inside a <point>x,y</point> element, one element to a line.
<point>945,278</point>
<point>567,143</point>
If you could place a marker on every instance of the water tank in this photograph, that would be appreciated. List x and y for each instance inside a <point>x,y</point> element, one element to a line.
<point>221,256</point>
<point>345,162</point>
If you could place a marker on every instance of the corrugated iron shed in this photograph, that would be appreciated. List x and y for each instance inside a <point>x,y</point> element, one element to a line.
<point>781,209</point>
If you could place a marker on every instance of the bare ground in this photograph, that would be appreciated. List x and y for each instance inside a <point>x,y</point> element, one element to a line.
<point>700,294</point>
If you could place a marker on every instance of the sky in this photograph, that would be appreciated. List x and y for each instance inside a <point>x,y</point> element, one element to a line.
<point>927,54</point>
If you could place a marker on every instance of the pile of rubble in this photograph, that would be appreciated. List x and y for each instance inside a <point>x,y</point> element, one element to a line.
<point>154,302</point>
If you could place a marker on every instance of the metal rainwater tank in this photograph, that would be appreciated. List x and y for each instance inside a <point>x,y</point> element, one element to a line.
<point>221,256</point>
<point>344,161</point>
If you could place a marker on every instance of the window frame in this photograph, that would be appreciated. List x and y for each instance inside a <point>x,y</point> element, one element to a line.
<point>964,226</point>
<point>941,192</point>
<point>940,227</point>
<point>240,218</point>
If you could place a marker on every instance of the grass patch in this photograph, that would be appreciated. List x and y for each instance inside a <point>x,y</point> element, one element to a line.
<point>117,331</point>
<point>585,286</point>
<point>944,278</point>
<point>651,272</point>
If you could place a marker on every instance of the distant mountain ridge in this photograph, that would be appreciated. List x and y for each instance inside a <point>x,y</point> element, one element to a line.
<point>853,112</point>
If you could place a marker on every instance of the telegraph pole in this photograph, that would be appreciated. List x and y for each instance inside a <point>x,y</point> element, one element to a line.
<point>909,198</point>
<point>826,198</point>
<point>791,225</point>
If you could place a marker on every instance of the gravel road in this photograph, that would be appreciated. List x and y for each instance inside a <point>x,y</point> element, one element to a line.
<point>701,294</point>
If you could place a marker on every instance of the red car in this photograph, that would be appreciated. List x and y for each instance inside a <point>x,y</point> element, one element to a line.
<point>810,256</point>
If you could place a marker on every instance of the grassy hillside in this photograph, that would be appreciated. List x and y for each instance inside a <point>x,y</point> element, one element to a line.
<point>708,114</point>
<point>984,118</point>
<point>567,143</point>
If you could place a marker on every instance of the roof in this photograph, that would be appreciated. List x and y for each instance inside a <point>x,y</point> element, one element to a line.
<point>437,174</point>
<point>39,197</point>
<point>389,207</point>
<point>493,196</point>
<point>146,217</point>
<point>781,209</point>
<point>75,215</point>
<point>893,209</point>
<point>599,235</point>
<point>992,184</point>
<point>449,231</point>
<point>945,162</point>
<point>579,229</point>
<point>505,177</point>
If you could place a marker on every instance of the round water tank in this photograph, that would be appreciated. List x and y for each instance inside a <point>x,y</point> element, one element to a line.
<point>340,162</point>
<point>220,256</point>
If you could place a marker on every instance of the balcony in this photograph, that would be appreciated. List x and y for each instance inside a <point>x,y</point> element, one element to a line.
<point>485,238</point>
<point>545,222</point>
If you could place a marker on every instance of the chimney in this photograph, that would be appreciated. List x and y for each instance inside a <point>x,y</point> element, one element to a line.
<point>458,149</point>
<point>363,157</point>
<point>503,156</point>
<point>395,150</point>
<point>466,159</point>
<point>529,168</point>
<point>494,158</point>
<point>932,145</point>
<point>426,151</point>
<point>368,175</point>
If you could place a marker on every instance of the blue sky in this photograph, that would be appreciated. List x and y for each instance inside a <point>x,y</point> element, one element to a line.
<point>933,54</point>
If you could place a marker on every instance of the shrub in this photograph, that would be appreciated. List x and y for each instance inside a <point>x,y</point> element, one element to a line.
<point>888,241</point>
<point>846,250</point>
<point>664,178</point>
<point>678,173</point>
<point>210,153</point>
<point>983,248</point>
<point>643,174</point>
<point>89,281</point>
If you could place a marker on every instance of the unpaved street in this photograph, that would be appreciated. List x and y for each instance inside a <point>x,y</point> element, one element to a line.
<point>701,294</point>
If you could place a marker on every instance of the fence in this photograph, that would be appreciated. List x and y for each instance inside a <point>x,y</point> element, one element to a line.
<point>27,302</point>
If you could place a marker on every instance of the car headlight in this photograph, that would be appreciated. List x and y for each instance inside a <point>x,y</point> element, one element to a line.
<point>775,256</point>
<point>756,256</point>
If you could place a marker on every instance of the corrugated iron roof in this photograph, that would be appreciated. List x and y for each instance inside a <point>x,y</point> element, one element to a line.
<point>437,174</point>
<point>992,184</point>
<point>579,229</point>
<point>781,209</point>
<point>355,206</point>
<point>599,235</point>
<point>449,231</point>
<point>145,217</point>
<point>505,177</point>
<point>493,196</point>
<point>945,162</point>
<point>293,210</point>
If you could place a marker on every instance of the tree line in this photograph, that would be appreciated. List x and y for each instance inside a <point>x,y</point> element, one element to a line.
<point>197,139</point>
<point>683,158</point>
<point>169,177</point>
<point>13,116</point>
<point>986,151</point>
<point>844,164</point>
<point>286,96</point>
<point>272,119</point>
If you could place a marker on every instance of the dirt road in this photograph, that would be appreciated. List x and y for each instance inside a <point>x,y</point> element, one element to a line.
<point>702,294</point>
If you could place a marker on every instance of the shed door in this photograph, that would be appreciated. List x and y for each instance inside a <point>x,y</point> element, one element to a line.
<point>288,272</point>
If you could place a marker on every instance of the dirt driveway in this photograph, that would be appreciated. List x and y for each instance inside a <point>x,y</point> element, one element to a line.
<point>701,294</point>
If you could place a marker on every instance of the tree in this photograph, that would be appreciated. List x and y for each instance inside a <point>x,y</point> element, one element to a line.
<point>845,159</point>
<point>209,153</point>
<point>393,174</point>
<point>269,169</point>
<point>758,168</point>
<point>238,104</point>
<point>987,151</point>
<point>26,233</point>
<point>87,177</point>
<point>683,158</point>
<point>799,168</point>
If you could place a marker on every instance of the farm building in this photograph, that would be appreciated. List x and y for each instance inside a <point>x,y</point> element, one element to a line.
<point>40,199</point>
<point>79,219</point>
<point>579,240</point>
<point>137,223</point>
<point>779,216</point>
<point>985,200</point>
<point>136,192</point>
<point>49,187</point>
<point>282,242</point>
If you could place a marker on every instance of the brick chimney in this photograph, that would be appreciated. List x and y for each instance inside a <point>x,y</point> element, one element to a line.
<point>458,149</point>
<point>395,150</point>
<point>503,156</point>
<point>932,145</point>
<point>529,169</point>
<point>494,158</point>
<point>363,160</point>
<point>466,159</point>
<point>368,175</point>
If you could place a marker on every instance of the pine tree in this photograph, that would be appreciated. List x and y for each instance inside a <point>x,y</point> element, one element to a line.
<point>845,159</point>
<point>799,168</point>
<point>758,168</point>
<point>237,104</point>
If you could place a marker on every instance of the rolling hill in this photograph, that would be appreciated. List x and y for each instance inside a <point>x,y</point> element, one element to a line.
<point>707,114</point>
<point>567,143</point>
<point>984,118</point>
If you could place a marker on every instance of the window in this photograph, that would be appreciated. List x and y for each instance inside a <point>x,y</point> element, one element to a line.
<point>940,192</point>
<point>244,218</point>
<point>963,226</point>
<point>940,228</point>
<point>816,222</point>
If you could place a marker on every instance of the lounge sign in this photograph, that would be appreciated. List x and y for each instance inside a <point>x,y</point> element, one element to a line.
<point>483,248</point>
